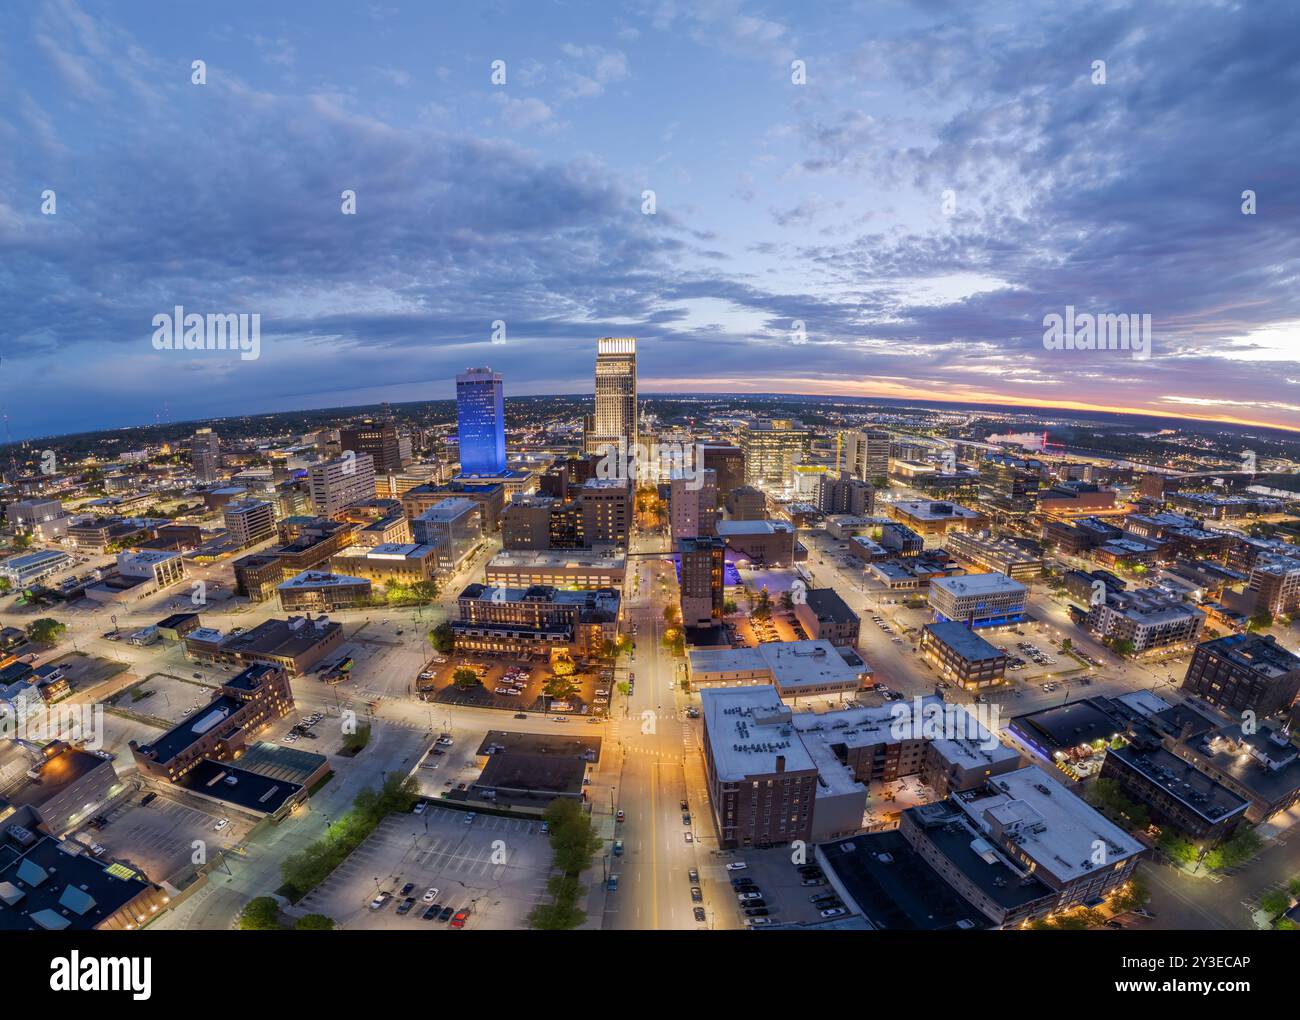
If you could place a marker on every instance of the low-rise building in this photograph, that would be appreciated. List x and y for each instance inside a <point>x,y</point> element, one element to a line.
<point>979,600</point>
<point>1145,619</point>
<point>769,543</point>
<point>1175,792</point>
<point>536,621</point>
<point>962,656</point>
<point>1244,672</point>
<point>295,644</point>
<point>827,617</point>
<point>795,668</point>
<point>558,568</point>
<point>314,591</point>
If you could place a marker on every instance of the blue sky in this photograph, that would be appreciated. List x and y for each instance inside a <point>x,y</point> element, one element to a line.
<point>775,203</point>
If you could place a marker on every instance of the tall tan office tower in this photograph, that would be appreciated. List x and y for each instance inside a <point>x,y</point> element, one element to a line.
<point>615,417</point>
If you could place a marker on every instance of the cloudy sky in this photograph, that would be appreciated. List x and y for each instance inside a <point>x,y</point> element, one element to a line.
<point>899,224</point>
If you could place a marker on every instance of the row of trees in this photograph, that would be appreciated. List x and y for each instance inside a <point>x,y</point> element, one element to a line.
<point>304,871</point>
<point>574,843</point>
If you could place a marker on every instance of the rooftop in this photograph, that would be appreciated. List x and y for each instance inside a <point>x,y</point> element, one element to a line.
<point>748,728</point>
<point>728,529</point>
<point>1260,653</point>
<point>1180,780</point>
<point>895,888</point>
<point>935,510</point>
<point>1055,828</point>
<point>791,664</point>
<point>55,885</point>
<point>964,641</point>
<point>978,584</point>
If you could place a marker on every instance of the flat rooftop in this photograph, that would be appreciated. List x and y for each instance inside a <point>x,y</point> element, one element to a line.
<point>979,584</point>
<point>964,641</point>
<point>935,510</point>
<point>1063,727</point>
<point>319,579</point>
<point>730,529</point>
<point>748,728</point>
<point>1257,652</point>
<point>250,790</point>
<point>543,559</point>
<point>995,874</point>
<point>54,885</point>
<point>791,664</point>
<point>1053,826</point>
<point>1197,792</point>
<point>895,888</point>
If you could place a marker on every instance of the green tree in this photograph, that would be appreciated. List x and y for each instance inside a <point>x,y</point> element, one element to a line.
<point>563,665</point>
<point>314,922</point>
<point>443,638</point>
<point>729,607</point>
<point>465,678</point>
<point>1260,621</point>
<point>260,914</point>
<point>1275,903</point>
<point>46,630</point>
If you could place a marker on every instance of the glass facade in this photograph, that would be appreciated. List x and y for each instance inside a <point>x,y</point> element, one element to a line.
<point>480,417</point>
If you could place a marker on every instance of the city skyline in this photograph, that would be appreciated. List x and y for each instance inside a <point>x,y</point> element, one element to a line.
<point>898,225</point>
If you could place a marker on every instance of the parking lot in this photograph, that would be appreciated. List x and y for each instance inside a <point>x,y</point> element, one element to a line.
<point>780,885</point>
<point>164,696</point>
<point>527,677</point>
<point>491,867</point>
<point>159,837</point>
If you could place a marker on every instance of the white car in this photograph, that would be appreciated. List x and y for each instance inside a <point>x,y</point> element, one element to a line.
<point>755,922</point>
<point>430,894</point>
<point>221,824</point>
<point>737,866</point>
<point>834,912</point>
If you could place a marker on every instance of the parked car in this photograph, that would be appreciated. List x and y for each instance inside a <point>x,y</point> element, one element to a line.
<point>734,865</point>
<point>432,913</point>
<point>430,894</point>
<point>699,914</point>
<point>752,894</point>
<point>621,817</point>
<point>694,876</point>
<point>834,912</point>
<point>420,807</point>
<point>405,906</point>
<point>697,894</point>
<point>380,901</point>
<point>618,848</point>
<point>459,920</point>
<point>148,798</point>
<point>688,836</point>
<point>446,914</point>
<point>755,922</point>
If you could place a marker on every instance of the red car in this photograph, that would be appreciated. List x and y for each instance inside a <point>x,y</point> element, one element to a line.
<point>459,920</point>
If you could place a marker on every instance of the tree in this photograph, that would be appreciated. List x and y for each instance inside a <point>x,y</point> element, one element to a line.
<point>465,678</point>
<point>443,638</point>
<point>260,914</point>
<point>763,606</point>
<point>729,607</point>
<point>559,687</point>
<point>46,630</point>
<point>1260,621</point>
<point>314,922</point>
<point>675,641</point>
<point>787,600</point>
<point>670,613</point>
<point>1066,644</point>
<point>1275,903</point>
<point>563,665</point>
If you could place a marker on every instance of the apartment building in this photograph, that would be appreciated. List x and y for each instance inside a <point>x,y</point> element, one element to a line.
<point>1244,672</point>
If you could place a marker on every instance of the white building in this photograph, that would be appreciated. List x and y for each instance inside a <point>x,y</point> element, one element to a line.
<point>982,600</point>
<point>336,483</point>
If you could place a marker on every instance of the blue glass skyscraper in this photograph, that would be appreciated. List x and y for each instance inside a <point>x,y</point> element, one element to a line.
<point>481,422</point>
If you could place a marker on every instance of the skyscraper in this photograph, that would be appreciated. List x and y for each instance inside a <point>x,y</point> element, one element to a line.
<point>615,417</point>
<point>380,439</point>
<point>205,456</point>
<point>481,422</point>
<point>866,454</point>
<point>336,483</point>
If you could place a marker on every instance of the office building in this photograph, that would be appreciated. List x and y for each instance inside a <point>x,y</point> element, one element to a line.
<point>1275,582</point>
<point>29,568</point>
<point>378,439</point>
<point>336,483</point>
<point>1244,673</point>
<point>489,495</point>
<point>615,420</point>
<point>64,787</point>
<point>453,527</point>
<point>526,523</point>
<point>205,456</point>
<point>315,591</point>
<point>935,517</point>
<point>480,423</point>
<point>702,566</point>
<point>962,656</point>
<point>866,454</point>
<point>257,576</point>
<point>1262,766</point>
<point>391,563</point>
<point>249,521</point>
<point>772,448</point>
<point>978,600</point>
<point>27,515</point>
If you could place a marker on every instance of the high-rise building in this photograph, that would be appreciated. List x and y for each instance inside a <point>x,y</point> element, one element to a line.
<point>693,503</point>
<point>615,420</point>
<point>336,483</point>
<point>728,462</point>
<point>702,580</point>
<point>772,448</point>
<point>377,438</point>
<point>205,455</point>
<point>866,454</point>
<point>481,423</point>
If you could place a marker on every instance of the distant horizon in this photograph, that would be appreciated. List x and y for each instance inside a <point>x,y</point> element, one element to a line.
<point>899,402</point>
